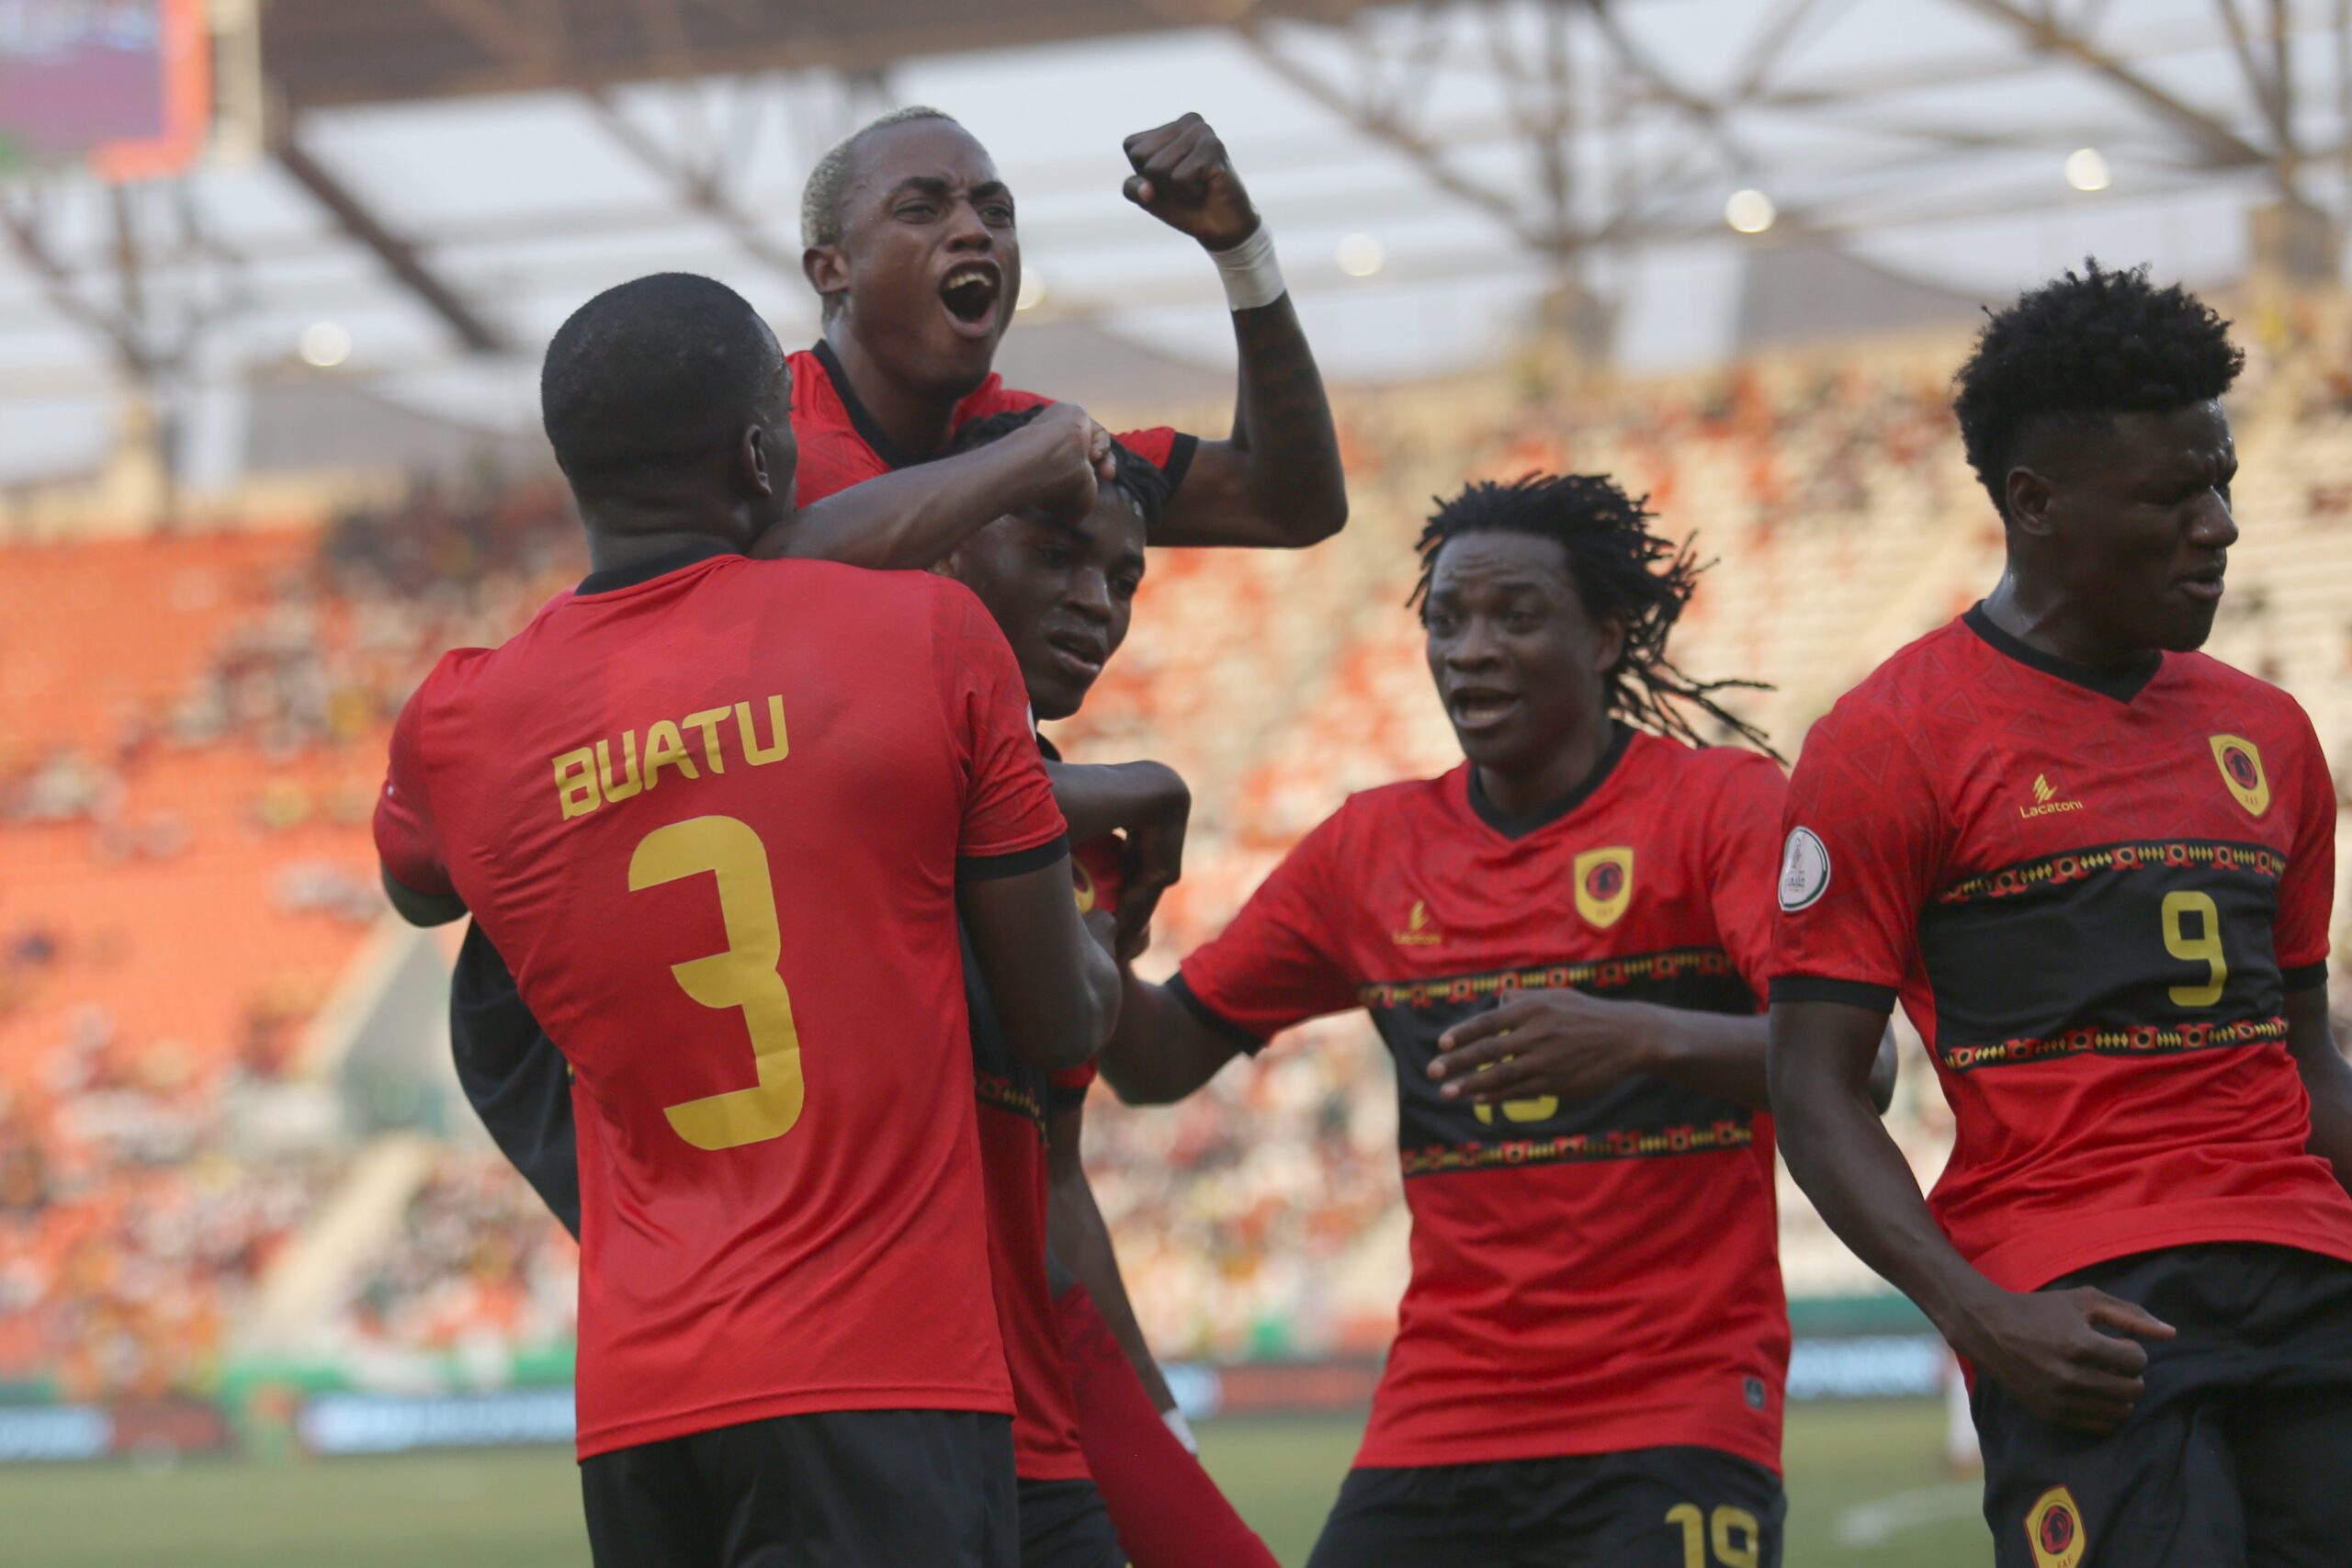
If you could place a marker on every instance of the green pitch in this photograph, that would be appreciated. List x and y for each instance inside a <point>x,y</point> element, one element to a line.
<point>1866,1488</point>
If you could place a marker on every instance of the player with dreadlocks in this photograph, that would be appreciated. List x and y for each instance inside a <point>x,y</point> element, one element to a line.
<point>1561,942</point>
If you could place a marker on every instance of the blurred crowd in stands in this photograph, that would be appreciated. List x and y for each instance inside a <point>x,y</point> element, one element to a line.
<point>1262,1216</point>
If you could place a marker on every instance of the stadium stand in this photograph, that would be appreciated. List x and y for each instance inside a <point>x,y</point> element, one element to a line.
<point>1260,1218</point>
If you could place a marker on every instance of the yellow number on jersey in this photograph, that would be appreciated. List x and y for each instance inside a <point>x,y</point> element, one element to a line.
<point>1541,1108</point>
<point>1738,1537</point>
<point>744,976</point>
<point>2206,949</point>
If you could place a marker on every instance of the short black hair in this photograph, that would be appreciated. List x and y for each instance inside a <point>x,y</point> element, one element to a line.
<point>1136,477</point>
<point>1622,571</point>
<point>654,373</point>
<point>2085,346</point>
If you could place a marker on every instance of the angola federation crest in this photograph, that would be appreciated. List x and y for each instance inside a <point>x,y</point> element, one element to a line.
<point>2053,1527</point>
<point>1604,881</point>
<point>2241,763</point>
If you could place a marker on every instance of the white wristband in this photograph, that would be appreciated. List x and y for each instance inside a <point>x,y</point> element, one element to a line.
<point>1252,277</point>
<point>1175,1418</point>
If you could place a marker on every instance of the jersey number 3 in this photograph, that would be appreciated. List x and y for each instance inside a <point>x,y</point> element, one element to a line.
<point>744,976</point>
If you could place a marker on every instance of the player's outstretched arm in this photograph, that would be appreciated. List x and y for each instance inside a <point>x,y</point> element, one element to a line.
<point>1161,1050</point>
<point>421,908</point>
<point>1572,1044</point>
<point>2046,1347</point>
<point>1076,1233</point>
<point>1055,986</point>
<point>914,517</point>
<point>1276,481</point>
<point>2327,1078</point>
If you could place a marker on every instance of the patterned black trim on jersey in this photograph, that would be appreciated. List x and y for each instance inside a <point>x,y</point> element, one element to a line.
<point>1640,1118</point>
<point>2145,948</point>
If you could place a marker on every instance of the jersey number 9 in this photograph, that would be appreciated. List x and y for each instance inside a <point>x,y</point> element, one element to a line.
<point>2205,949</point>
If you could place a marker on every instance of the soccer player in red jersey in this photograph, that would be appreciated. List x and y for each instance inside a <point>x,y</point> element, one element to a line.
<point>789,1344</point>
<point>1589,1363</point>
<point>912,245</point>
<point>1088,1431</point>
<point>2096,868</point>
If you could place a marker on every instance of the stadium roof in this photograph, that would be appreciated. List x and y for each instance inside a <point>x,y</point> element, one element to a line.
<point>440,180</point>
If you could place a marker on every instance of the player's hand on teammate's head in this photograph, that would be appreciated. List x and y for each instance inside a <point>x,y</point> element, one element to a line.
<point>1184,178</point>
<point>2064,1354</point>
<point>1562,1042</point>
<point>1073,453</point>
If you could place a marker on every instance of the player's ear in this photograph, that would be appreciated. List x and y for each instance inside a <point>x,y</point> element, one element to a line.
<point>2029,496</point>
<point>1607,643</point>
<point>762,470</point>
<point>827,270</point>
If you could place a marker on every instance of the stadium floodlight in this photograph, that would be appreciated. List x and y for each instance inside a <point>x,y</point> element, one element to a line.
<point>1360,256</point>
<point>1750,212</point>
<point>1033,291</point>
<point>2087,169</point>
<point>325,344</point>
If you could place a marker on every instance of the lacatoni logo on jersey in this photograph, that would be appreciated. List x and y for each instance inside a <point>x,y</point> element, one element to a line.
<point>1418,931</point>
<point>2053,1527</point>
<point>1804,869</point>
<point>2045,799</point>
<point>2241,765</point>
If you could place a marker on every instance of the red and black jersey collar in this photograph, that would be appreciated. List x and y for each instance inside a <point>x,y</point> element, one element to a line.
<point>2122,684</point>
<point>646,570</point>
<point>1620,737</point>
<point>861,419</point>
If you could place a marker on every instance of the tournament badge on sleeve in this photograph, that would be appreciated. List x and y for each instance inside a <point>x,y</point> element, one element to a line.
<point>2241,766</point>
<point>1604,883</point>
<point>2053,1527</point>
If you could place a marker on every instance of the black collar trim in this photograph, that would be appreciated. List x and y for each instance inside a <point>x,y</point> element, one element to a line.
<point>2122,684</point>
<point>1544,817</point>
<point>1047,750</point>
<point>860,420</point>
<point>646,570</point>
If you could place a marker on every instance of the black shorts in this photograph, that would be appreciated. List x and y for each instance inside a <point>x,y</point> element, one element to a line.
<point>2239,1455</point>
<point>1639,1508</point>
<point>1064,1524</point>
<point>844,1489</point>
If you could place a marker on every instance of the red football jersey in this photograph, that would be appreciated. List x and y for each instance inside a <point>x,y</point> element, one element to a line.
<point>713,812</point>
<point>1587,1276</point>
<point>1014,1101</point>
<point>2092,894</point>
<point>841,444</point>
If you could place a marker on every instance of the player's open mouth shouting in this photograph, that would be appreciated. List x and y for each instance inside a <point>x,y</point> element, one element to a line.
<point>971,291</point>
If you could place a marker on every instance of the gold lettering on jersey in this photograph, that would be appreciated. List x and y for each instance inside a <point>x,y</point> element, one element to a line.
<point>1417,931</point>
<point>2045,801</point>
<point>665,748</point>
<point>1083,886</point>
<point>2241,763</point>
<point>709,721</point>
<point>754,751</point>
<point>1604,885</point>
<point>617,768</point>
